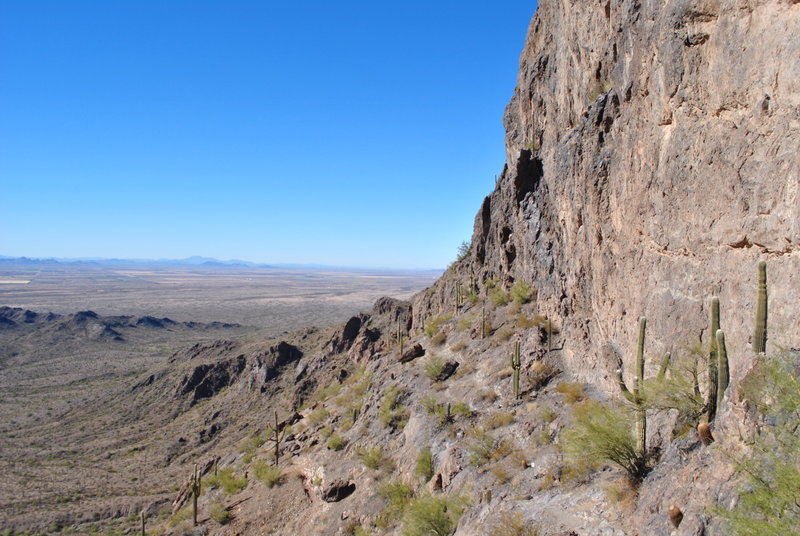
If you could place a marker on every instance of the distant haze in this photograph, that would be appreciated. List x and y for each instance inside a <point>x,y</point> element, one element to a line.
<point>344,134</point>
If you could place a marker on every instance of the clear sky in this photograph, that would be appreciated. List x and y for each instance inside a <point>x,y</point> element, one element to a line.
<point>351,133</point>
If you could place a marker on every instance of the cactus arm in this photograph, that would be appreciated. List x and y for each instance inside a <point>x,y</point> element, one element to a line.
<point>624,388</point>
<point>662,371</point>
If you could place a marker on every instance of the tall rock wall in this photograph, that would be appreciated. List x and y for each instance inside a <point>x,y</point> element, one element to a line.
<point>651,161</point>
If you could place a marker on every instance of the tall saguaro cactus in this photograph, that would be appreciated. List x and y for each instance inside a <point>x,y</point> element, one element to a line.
<point>277,436</point>
<point>400,337</point>
<point>636,397</point>
<point>713,380</point>
<point>483,319</point>
<point>760,335</point>
<point>195,493</point>
<point>723,376</point>
<point>516,364</point>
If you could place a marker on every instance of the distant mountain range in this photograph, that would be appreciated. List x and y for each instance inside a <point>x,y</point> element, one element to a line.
<point>189,261</point>
<point>194,261</point>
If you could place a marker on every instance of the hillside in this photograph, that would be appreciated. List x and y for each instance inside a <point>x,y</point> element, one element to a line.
<point>651,163</point>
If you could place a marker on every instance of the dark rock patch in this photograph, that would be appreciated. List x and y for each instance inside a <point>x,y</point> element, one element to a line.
<point>337,490</point>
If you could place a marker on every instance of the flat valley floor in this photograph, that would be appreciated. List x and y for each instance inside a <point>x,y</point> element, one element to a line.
<point>74,437</point>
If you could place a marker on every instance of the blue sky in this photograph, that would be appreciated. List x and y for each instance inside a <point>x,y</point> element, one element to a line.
<point>342,133</point>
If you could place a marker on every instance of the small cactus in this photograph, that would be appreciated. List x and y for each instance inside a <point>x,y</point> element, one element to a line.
<point>675,515</point>
<point>141,516</point>
<point>636,397</point>
<point>760,335</point>
<point>704,432</point>
<point>516,365</point>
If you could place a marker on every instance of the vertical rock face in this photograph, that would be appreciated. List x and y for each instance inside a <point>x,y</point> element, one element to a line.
<point>651,161</point>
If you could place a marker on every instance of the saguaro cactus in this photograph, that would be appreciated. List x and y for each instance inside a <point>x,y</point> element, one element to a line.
<point>722,369</point>
<point>400,337</point>
<point>195,493</point>
<point>277,436</point>
<point>713,380</point>
<point>636,397</point>
<point>516,364</point>
<point>549,335</point>
<point>483,320</point>
<point>760,335</point>
<point>141,516</point>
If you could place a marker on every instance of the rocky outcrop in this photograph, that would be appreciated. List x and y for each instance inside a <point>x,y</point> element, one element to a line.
<point>206,380</point>
<point>650,162</point>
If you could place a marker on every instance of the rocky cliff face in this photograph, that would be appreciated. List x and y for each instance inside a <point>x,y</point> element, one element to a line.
<point>652,159</point>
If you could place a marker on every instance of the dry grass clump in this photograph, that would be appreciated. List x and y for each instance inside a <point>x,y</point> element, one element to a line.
<point>466,367</point>
<point>541,373</point>
<point>512,524</point>
<point>488,394</point>
<point>457,347</point>
<point>497,420</point>
<point>573,391</point>
<point>439,339</point>
<point>622,492</point>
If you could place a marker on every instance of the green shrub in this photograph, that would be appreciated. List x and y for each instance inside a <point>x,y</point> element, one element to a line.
<point>464,323</point>
<point>602,432</point>
<point>463,250</point>
<point>461,409</point>
<point>328,391</point>
<point>219,513</point>
<point>181,515</point>
<point>433,325</point>
<point>498,297</point>
<point>336,442</point>
<point>768,500</point>
<point>372,458</point>
<point>423,467</point>
<point>486,448</point>
<point>397,496</point>
<point>434,366</point>
<point>430,515</point>
<point>228,481</point>
<point>267,474</point>
<point>429,403</point>
<point>521,292</point>
<point>318,416</point>
<point>392,413</point>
